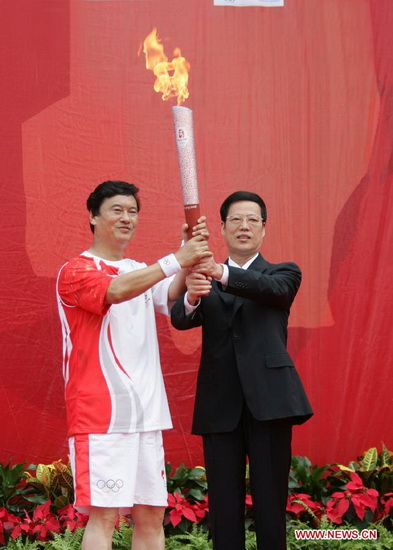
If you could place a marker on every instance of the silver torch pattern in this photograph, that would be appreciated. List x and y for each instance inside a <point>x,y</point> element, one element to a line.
<point>184,133</point>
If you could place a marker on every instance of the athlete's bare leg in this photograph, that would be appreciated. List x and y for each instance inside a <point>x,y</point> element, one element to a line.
<point>148,531</point>
<point>99,529</point>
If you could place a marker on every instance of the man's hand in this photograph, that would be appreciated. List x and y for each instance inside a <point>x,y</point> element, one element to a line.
<point>198,285</point>
<point>193,251</point>
<point>209,267</point>
<point>199,229</point>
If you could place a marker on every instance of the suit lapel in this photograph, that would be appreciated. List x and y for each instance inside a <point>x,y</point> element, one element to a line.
<point>259,264</point>
<point>232,302</point>
<point>226,297</point>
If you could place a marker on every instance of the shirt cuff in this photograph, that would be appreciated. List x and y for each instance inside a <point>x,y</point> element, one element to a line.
<point>225,275</point>
<point>187,306</point>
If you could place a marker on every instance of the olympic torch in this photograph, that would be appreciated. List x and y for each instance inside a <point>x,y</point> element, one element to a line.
<point>172,81</point>
<point>184,133</point>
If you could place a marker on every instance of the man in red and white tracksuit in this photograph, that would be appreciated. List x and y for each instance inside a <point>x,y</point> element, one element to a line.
<point>115,396</point>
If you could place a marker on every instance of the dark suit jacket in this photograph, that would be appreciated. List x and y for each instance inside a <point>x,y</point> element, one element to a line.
<point>244,355</point>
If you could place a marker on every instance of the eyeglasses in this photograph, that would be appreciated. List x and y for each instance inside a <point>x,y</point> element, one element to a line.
<point>237,219</point>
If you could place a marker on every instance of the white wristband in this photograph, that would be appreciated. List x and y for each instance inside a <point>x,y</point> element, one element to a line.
<point>169,265</point>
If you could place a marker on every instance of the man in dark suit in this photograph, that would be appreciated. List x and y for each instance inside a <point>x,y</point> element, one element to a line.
<point>249,393</point>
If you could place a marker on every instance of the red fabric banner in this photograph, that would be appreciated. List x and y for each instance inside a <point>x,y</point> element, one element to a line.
<point>293,102</point>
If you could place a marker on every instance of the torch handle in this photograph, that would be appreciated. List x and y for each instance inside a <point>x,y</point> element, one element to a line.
<point>192,214</point>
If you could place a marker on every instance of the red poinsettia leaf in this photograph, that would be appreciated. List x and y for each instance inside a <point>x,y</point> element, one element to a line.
<point>41,511</point>
<point>203,505</point>
<point>342,506</point>
<point>83,519</point>
<point>369,501</point>
<point>333,516</point>
<point>53,524</point>
<point>174,517</point>
<point>68,511</point>
<point>16,532</point>
<point>338,494</point>
<point>295,508</point>
<point>301,496</point>
<point>8,525</point>
<point>330,506</point>
<point>26,527</point>
<point>189,514</point>
<point>314,506</point>
<point>308,502</point>
<point>359,507</point>
<point>200,514</point>
<point>15,519</point>
<point>388,506</point>
<point>356,480</point>
<point>42,533</point>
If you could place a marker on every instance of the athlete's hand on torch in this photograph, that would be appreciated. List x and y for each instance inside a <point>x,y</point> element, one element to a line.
<point>193,251</point>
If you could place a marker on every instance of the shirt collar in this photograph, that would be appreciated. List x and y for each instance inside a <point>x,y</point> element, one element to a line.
<point>232,263</point>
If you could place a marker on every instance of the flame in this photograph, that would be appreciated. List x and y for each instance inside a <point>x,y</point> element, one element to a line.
<point>172,76</point>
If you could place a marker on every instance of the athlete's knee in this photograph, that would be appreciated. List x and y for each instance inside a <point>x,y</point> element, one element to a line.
<point>148,518</point>
<point>104,517</point>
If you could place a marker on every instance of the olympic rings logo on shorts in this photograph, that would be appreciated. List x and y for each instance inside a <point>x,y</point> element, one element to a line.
<point>110,485</point>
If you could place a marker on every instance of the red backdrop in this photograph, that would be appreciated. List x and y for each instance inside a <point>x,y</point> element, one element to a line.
<point>295,103</point>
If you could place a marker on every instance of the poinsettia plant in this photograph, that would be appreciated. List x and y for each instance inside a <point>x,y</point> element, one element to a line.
<point>181,513</point>
<point>356,501</point>
<point>333,493</point>
<point>40,524</point>
<point>302,506</point>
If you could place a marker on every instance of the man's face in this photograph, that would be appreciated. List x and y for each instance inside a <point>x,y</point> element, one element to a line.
<point>117,220</point>
<point>243,230</point>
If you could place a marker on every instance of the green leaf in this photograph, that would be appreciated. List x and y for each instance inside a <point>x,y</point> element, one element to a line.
<point>385,456</point>
<point>44,474</point>
<point>35,499</point>
<point>61,502</point>
<point>36,483</point>
<point>370,459</point>
<point>197,472</point>
<point>196,494</point>
<point>345,468</point>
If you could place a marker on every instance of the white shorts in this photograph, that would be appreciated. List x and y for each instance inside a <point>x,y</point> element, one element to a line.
<point>118,470</point>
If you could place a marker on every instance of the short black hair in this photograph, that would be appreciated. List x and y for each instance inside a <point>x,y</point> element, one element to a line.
<point>242,196</point>
<point>108,189</point>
